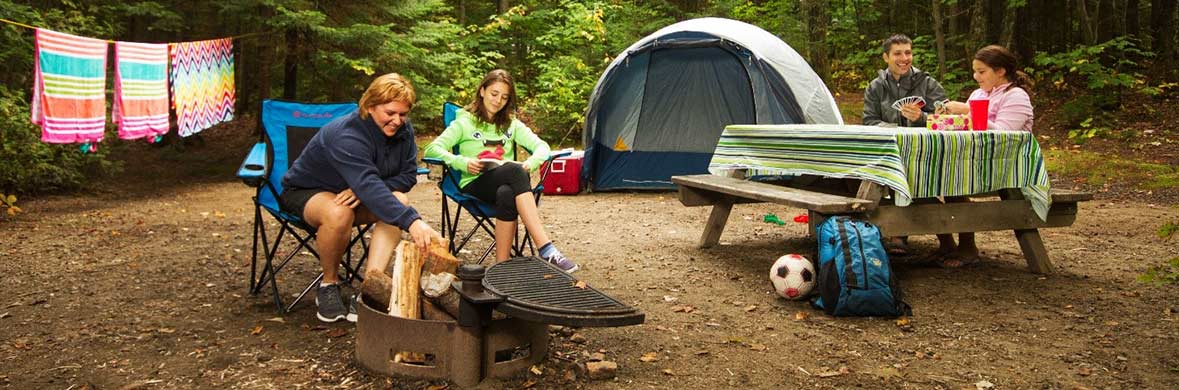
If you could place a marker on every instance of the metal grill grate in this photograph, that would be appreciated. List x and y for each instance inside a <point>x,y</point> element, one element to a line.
<point>533,283</point>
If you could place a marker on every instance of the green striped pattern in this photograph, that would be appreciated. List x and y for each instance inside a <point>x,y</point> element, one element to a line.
<point>914,163</point>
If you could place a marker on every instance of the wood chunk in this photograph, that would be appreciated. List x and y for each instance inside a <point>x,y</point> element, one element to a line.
<point>377,289</point>
<point>601,370</point>
<point>432,312</point>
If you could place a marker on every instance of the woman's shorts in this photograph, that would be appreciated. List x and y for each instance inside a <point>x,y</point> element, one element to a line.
<point>293,200</point>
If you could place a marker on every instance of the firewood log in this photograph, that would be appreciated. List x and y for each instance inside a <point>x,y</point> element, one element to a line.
<point>377,289</point>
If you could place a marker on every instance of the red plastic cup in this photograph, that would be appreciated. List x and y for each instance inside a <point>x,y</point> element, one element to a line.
<point>978,113</point>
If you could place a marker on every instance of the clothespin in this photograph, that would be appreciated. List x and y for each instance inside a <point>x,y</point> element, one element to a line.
<point>88,147</point>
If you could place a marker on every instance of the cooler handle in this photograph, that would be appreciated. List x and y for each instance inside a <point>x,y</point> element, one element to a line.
<point>557,167</point>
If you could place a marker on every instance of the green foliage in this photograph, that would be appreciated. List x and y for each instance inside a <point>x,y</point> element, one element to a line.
<point>8,203</point>
<point>1167,273</point>
<point>1111,64</point>
<point>1086,132</point>
<point>28,165</point>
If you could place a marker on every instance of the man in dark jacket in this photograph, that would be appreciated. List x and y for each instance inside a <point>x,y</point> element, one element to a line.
<point>900,80</point>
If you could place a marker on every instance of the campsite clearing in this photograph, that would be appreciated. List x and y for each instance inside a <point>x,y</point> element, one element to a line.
<point>142,284</point>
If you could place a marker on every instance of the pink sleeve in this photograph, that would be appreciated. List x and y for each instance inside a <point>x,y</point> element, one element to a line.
<point>1014,111</point>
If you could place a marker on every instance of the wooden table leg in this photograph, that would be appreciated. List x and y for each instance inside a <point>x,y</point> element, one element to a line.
<point>1034,251</point>
<point>716,222</point>
<point>1030,242</point>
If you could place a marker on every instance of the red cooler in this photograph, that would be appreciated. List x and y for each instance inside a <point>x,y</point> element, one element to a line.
<point>565,176</point>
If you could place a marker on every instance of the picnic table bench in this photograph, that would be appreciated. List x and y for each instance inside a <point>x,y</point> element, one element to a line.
<point>982,213</point>
<point>872,173</point>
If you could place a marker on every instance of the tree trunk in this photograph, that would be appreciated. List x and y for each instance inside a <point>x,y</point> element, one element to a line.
<point>818,19</point>
<point>1133,24</point>
<point>1163,26</point>
<point>939,37</point>
<point>462,12</point>
<point>1007,34</point>
<point>291,66</point>
<point>953,29</point>
<point>978,27</point>
<point>501,6</point>
<point>1106,20</point>
<point>1088,36</point>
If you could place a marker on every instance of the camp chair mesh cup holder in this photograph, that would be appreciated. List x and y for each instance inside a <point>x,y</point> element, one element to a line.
<point>480,211</point>
<point>287,127</point>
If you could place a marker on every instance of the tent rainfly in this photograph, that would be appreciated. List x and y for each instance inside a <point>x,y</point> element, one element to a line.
<point>659,108</point>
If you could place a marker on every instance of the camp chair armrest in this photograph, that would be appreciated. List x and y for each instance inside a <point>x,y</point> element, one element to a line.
<point>254,168</point>
<point>433,161</point>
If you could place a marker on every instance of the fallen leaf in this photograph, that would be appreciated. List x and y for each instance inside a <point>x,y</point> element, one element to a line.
<point>983,385</point>
<point>438,387</point>
<point>750,308</point>
<point>701,353</point>
<point>902,322</point>
<point>535,370</point>
<point>548,276</point>
<point>580,284</point>
<point>669,298</point>
<point>649,357</point>
<point>682,309</point>
<point>1085,371</point>
<point>257,330</point>
<point>758,347</point>
<point>801,316</point>
<point>276,319</point>
<point>170,330</point>
<point>667,371</point>
<point>337,332</point>
<point>528,383</point>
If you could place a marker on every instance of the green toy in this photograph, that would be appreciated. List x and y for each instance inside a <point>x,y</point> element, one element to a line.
<point>771,218</point>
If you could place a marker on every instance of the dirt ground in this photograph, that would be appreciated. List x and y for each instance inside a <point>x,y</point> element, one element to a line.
<point>141,284</point>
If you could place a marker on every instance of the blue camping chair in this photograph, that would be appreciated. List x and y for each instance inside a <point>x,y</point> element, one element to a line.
<point>481,212</point>
<point>288,126</point>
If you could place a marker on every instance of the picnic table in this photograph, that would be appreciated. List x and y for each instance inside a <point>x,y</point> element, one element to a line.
<point>891,177</point>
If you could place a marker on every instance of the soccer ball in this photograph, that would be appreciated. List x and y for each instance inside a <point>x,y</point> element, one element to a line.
<point>793,276</point>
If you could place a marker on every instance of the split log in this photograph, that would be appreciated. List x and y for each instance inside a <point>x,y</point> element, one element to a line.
<point>407,271</point>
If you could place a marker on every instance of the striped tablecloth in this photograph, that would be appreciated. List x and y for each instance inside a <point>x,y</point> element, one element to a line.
<point>913,162</point>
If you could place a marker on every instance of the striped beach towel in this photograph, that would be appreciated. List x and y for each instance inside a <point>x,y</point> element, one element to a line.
<point>202,84</point>
<point>141,89</point>
<point>69,87</point>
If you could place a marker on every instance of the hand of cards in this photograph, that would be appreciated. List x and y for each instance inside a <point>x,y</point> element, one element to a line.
<point>920,101</point>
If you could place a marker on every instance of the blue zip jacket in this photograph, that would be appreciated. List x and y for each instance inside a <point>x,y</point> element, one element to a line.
<point>352,152</point>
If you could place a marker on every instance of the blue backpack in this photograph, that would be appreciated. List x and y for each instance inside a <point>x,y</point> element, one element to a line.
<point>855,278</point>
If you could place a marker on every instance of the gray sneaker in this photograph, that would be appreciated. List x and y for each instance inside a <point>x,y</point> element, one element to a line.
<point>331,305</point>
<point>563,263</point>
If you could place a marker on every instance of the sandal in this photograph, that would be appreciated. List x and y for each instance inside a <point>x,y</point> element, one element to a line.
<point>955,260</point>
<point>896,246</point>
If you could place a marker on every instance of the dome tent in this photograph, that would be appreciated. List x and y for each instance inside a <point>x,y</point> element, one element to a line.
<point>659,108</point>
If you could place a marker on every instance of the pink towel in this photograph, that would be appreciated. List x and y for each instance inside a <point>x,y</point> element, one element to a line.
<point>69,87</point>
<point>202,84</point>
<point>141,89</point>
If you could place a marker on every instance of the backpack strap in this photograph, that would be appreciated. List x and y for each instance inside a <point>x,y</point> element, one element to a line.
<point>849,272</point>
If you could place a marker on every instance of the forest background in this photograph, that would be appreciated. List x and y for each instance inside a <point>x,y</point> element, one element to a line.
<point>1104,68</point>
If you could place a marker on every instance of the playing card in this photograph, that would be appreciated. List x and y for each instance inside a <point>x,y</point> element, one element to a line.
<point>920,101</point>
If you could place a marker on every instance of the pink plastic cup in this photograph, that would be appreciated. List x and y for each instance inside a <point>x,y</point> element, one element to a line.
<point>978,113</point>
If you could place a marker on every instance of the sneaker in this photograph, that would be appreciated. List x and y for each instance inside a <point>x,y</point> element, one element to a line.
<point>563,263</point>
<point>331,306</point>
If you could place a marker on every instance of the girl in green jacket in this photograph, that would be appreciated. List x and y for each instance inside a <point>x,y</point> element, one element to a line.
<point>484,130</point>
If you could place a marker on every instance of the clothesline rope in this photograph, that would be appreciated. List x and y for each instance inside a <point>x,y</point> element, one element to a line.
<point>239,36</point>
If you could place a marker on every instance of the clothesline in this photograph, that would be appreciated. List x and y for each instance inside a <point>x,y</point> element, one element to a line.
<point>239,36</point>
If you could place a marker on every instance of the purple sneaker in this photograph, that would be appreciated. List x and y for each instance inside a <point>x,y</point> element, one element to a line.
<point>563,263</point>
